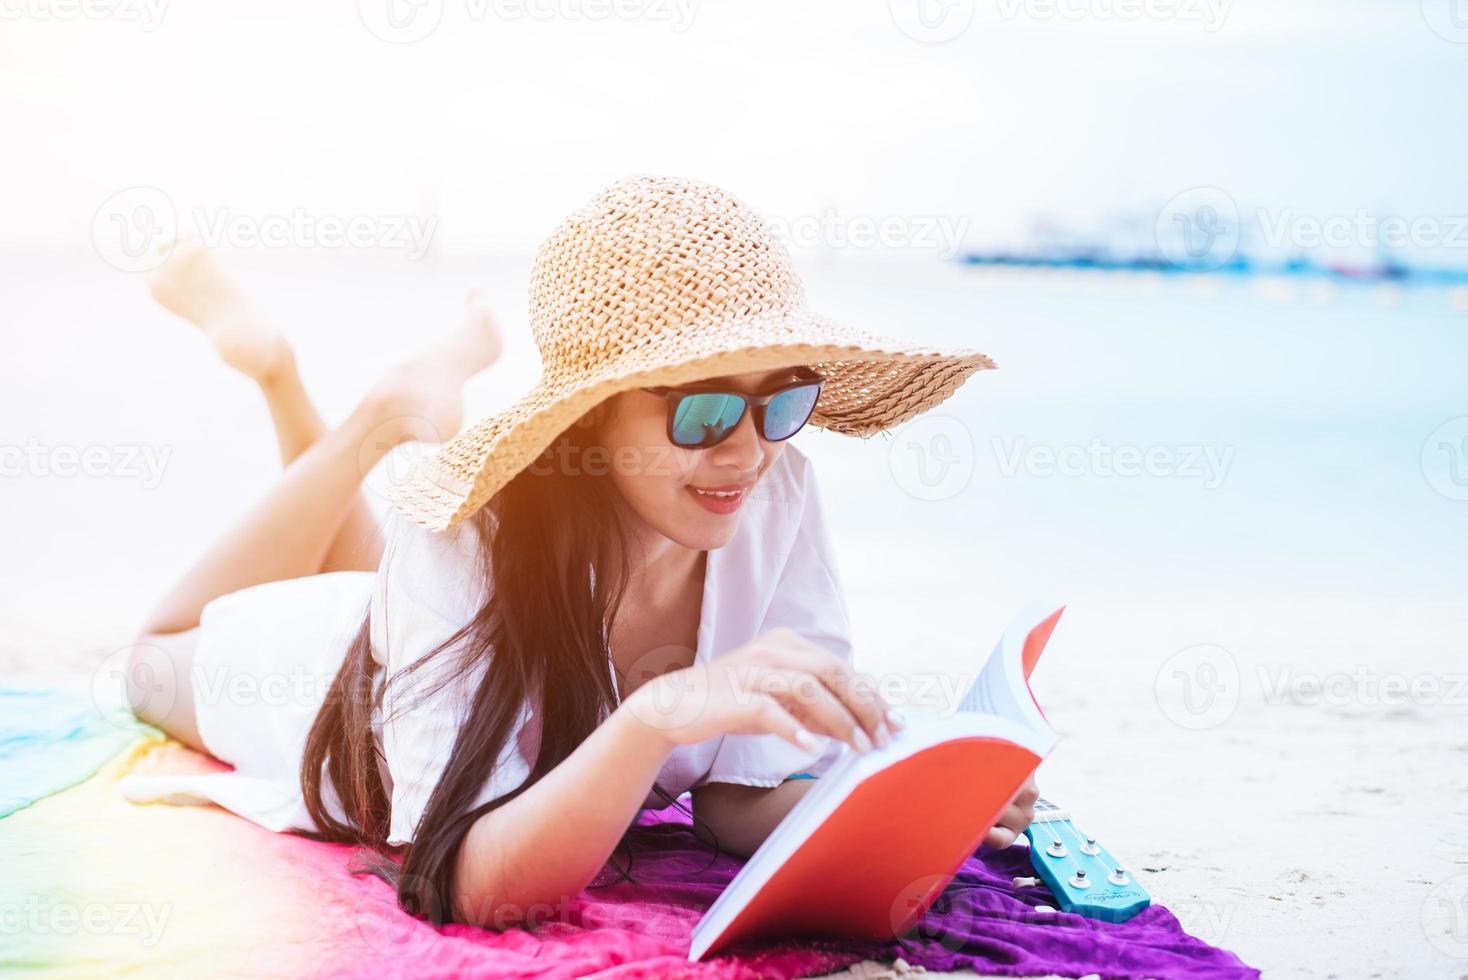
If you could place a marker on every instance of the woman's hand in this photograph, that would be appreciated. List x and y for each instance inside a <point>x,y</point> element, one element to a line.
<point>779,683</point>
<point>1016,817</point>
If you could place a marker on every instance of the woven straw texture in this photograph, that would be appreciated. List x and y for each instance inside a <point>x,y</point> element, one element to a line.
<point>663,281</point>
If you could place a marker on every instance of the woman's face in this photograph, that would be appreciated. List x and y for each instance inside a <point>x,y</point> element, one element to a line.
<point>657,479</point>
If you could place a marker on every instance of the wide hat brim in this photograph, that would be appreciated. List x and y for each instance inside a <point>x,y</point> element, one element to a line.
<point>873,383</point>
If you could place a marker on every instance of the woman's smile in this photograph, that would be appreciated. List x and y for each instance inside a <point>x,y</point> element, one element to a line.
<point>725,499</point>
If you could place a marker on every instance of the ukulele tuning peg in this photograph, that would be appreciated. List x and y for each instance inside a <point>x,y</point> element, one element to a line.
<point>1089,847</point>
<point>1119,877</point>
<point>1025,882</point>
<point>1079,880</point>
<point>1056,849</point>
<point>1043,908</point>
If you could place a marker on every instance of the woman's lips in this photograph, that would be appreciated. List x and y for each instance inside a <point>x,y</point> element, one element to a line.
<point>720,504</point>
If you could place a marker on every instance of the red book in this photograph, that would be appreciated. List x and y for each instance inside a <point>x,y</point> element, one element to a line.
<point>869,848</point>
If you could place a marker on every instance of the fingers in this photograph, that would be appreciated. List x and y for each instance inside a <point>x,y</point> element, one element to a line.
<point>1028,795</point>
<point>785,649</point>
<point>813,704</point>
<point>1016,817</point>
<point>773,717</point>
<point>1000,837</point>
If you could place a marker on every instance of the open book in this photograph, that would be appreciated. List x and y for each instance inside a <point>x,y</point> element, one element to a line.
<point>881,834</point>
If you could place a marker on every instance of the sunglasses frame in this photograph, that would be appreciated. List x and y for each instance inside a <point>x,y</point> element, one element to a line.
<point>674,396</point>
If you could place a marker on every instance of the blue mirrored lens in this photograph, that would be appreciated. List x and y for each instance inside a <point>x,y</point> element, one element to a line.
<point>706,418</point>
<point>789,410</point>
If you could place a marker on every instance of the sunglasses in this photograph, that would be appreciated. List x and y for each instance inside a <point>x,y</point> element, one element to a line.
<point>704,415</point>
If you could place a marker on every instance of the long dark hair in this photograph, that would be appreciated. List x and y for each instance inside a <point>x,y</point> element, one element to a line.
<point>556,540</point>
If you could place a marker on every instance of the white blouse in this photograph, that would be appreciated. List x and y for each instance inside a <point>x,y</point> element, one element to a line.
<point>777,570</point>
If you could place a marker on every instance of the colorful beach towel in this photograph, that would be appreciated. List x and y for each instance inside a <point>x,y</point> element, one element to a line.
<point>96,885</point>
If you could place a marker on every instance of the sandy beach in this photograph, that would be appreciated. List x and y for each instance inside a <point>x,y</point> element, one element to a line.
<point>1260,683</point>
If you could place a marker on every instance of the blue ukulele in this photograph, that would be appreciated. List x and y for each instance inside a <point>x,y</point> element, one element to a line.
<point>1080,873</point>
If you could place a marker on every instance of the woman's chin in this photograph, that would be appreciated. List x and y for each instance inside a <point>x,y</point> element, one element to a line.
<point>702,529</point>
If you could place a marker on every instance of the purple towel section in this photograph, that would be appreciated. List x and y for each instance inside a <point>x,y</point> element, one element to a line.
<point>980,923</point>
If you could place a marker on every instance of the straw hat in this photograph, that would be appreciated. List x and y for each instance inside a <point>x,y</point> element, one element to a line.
<point>662,281</point>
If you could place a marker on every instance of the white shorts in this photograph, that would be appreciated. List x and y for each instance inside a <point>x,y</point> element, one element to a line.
<point>265,658</point>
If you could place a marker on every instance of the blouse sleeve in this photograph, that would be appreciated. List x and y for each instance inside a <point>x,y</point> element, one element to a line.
<point>810,600</point>
<point>428,586</point>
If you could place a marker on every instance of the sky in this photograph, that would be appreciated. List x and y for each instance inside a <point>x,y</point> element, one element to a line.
<point>506,113</point>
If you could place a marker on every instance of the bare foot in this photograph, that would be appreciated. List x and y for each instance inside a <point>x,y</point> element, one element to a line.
<point>423,397</point>
<point>193,285</point>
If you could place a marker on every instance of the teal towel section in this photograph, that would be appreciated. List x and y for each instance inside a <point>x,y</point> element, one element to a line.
<point>52,739</point>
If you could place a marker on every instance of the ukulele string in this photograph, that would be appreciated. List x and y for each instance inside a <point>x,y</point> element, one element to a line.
<point>1055,839</point>
<point>1055,835</point>
<point>1097,856</point>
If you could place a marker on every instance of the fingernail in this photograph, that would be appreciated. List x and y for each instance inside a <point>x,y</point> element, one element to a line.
<point>807,740</point>
<point>884,737</point>
<point>860,741</point>
<point>895,721</point>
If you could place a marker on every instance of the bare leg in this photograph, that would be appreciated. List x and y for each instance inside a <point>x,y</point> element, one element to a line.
<point>315,518</point>
<point>287,534</point>
<point>192,284</point>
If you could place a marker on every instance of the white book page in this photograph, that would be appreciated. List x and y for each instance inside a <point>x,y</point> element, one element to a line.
<point>1001,688</point>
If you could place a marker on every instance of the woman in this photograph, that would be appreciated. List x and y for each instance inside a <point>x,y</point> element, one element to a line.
<point>616,591</point>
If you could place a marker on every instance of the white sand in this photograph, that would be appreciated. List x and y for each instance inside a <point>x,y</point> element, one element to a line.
<point>1313,836</point>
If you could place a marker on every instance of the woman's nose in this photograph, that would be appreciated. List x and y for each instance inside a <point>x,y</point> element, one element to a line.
<point>744,448</point>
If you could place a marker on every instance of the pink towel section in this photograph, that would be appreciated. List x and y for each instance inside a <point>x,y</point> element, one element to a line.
<point>108,886</point>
